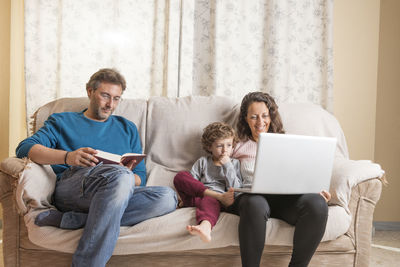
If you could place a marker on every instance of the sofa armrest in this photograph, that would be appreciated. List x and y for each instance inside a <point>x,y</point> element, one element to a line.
<point>10,169</point>
<point>32,183</point>
<point>346,175</point>
<point>6,187</point>
<point>356,186</point>
<point>364,197</point>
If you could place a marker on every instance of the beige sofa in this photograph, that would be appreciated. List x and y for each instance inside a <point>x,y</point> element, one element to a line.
<point>170,130</point>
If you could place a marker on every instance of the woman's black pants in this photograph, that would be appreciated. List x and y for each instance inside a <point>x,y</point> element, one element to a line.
<point>307,212</point>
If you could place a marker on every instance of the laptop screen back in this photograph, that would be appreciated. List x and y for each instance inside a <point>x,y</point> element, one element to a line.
<point>293,164</point>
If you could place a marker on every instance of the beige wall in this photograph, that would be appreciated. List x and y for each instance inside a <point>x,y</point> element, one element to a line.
<point>365,91</point>
<point>17,118</point>
<point>362,115</point>
<point>5,16</point>
<point>12,103</point>
<point>387,142</point>
<point>355,49</point>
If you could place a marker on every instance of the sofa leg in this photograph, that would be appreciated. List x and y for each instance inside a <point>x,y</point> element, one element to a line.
<point>363,232</point>
<point>10,231</point>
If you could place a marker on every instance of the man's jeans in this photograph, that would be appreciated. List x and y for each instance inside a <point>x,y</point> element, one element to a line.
<point>102,198</point>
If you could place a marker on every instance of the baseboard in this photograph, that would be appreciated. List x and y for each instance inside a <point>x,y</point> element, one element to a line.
<point>387,226</point>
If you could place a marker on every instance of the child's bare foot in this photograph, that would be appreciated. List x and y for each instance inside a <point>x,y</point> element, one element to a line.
<point>203,230</point>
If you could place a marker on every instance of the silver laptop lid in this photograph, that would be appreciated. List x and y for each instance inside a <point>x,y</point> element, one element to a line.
<point>293,164</point>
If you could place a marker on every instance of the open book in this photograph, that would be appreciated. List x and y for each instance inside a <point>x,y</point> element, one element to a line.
<point>110,158</point>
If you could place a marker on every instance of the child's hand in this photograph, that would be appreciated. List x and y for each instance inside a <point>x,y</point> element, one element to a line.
<point>224,159</point>
<point>228,197</point>
<point>326,195</point>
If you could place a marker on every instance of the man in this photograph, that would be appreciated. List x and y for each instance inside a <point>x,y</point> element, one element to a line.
<point>100,197</point>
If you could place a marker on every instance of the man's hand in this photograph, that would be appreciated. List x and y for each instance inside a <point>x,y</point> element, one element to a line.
<point>83,156</point>
<point>45,155</point>
<point>130,164</point>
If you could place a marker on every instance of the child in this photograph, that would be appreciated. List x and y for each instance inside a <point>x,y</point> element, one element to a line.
<point>211,180</point>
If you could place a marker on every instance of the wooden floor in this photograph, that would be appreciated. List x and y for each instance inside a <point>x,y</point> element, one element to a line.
<point>1,248</point>
<point>385,250</point>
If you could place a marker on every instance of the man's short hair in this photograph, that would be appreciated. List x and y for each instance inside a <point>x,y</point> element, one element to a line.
<point>106,76</point>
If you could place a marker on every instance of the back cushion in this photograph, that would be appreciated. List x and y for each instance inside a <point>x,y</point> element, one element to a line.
<point>132,109</point>
<point>135,110</point>
<point>170,131</point>
<point>57,106</point>
<point>311,119</point>
<point>174,129</point>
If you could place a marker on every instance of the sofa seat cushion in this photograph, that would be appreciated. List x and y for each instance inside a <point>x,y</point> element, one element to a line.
<point>343,243</point>
<point>168,233</point>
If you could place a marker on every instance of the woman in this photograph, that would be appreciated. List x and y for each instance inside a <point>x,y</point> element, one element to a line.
<point>307,212</point>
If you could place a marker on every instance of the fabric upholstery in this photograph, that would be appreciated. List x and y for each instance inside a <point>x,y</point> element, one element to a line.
<point>170,131</point>
<point>311,119</point>
<point>174,128</point>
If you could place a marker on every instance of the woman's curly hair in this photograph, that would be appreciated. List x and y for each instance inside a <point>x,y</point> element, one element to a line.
<point>276,125</point>
<point>216,131</point>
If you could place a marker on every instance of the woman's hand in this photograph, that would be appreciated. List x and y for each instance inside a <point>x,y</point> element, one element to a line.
<point>326,195</point>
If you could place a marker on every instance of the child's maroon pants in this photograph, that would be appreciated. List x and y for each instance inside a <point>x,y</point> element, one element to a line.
<point>191,192</point>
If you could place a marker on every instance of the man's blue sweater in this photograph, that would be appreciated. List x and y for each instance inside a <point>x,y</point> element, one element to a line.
<point>72,130</point>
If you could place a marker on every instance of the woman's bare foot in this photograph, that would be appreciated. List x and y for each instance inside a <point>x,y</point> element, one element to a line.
<point>203,230</point>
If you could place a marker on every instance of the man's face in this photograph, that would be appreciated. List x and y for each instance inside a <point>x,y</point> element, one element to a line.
<point>103,101</point>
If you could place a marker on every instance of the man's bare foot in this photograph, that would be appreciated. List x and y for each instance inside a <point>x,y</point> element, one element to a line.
<point>203,230</point>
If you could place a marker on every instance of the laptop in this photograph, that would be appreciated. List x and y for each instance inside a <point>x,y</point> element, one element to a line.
<point>292,164</point>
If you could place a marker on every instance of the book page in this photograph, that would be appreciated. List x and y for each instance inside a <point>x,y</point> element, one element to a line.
<point>126,158</point>
<point>110,158</point>
<point>107,158</point>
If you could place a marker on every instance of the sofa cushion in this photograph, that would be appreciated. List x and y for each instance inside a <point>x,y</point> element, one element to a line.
<point>75,104</point>
<point>174,128</point>
<point>311,119</point>
<point>132,109</point>
<point>33,185</point>
<point>348,173</point>
<point>168,233</point>
<point>170,132</point>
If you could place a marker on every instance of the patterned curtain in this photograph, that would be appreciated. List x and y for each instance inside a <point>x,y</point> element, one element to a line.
<point>181,47</point>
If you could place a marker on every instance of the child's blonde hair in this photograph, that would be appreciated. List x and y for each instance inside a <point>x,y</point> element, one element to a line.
<point>216,131</point>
